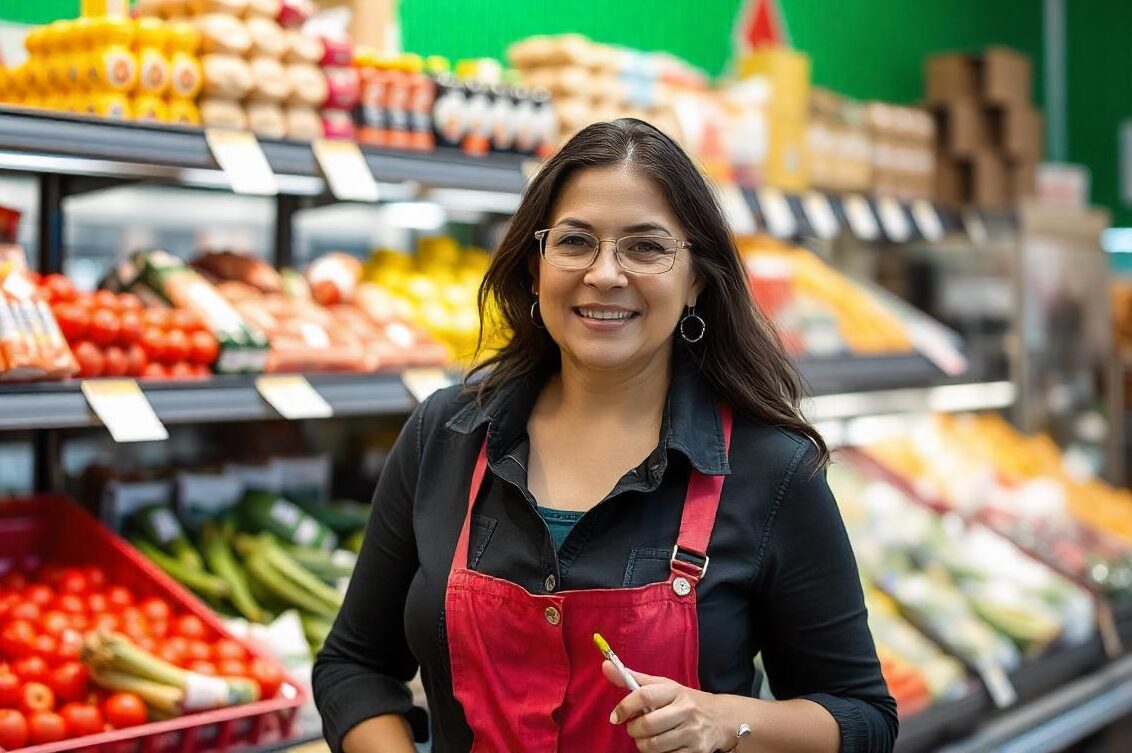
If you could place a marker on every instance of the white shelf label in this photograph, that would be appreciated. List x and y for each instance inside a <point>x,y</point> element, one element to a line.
<point>124,410</point>
<point>927,219</point>
<point>975,227</point>
<point>861,219</point>
<point>242,160</point>
<point>820,215</point>
<point>780,219</point>
<point>423,382</point>
<point>736,209</point>
<point>894,220</point>
<point>293,396</point>
<point>346,171</point>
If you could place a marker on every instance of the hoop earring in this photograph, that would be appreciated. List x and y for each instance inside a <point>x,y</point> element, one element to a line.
<point>692,316</point>
<point>534,315</point>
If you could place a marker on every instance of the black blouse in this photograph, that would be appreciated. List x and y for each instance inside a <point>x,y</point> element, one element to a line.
<point>782,580</point>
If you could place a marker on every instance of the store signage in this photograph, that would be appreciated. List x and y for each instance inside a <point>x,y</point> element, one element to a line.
<point>736,209</point>
<point>820,215</point>
<point>779,218</point>
<point>242,160</point>
<point>124,410</point>
<point>293,396</point>
<point>346,171</point>
<point>424,381</point>
<point>860,217</point>
<point>927,219</point>
<point>893,218</point>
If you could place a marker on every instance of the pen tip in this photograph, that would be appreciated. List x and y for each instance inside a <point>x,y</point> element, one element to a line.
<point>602,646</point>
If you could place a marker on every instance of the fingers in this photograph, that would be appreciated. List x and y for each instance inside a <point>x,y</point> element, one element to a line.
<point>654,696</point>
<point>612,674</point>
<point>655,723</point>
<point>667,742</point>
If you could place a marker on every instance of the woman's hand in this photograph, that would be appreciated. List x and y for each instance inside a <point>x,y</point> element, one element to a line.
<point>681,719</point>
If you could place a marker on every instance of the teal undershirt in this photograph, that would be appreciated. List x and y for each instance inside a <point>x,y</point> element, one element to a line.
<point>560,523</point>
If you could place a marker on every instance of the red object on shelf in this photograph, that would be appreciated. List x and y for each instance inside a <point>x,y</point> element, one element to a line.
<point>51,529</point>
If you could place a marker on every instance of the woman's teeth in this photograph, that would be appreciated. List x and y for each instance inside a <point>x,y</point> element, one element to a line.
<point>605,314</point>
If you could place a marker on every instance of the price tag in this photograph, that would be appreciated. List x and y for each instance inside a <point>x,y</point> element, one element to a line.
<point>345,169</point>
<point>242,160</point>
<point>293,396</point>
<point>895,221</point>
<point>124,410</point>
<point>780,219</point>
<point>927,219</point>
<point>975,227</point>
<point>736,209</point>
<point>861,219</point>
<point>423,382</point>
<point>820,215</point>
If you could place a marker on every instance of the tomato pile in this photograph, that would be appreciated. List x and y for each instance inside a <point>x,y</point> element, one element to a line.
<point>113,334</point>
<point>46,693</point>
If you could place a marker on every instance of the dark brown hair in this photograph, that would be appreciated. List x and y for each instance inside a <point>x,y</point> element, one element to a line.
<point>741,355</point>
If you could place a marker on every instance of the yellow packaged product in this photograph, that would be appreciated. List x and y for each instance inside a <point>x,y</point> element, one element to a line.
<point>151,42</point>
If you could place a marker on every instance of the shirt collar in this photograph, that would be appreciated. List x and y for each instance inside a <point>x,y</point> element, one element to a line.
<point>694,426</point>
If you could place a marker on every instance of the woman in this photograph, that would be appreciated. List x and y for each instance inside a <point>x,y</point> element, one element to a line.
<point>632,463</point>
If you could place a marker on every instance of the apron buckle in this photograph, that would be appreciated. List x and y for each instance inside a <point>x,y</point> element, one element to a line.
<point>689,558</point>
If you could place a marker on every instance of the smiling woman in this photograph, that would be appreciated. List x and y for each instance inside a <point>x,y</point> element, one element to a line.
<point>640,425</point>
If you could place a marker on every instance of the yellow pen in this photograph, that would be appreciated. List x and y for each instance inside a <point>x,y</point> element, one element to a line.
<point>607,652</point>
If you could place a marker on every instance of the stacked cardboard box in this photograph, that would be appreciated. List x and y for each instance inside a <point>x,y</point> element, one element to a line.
<point>787,72</point>
<point>989,132</point>
<point>839,143</point>
<point>903,151</point>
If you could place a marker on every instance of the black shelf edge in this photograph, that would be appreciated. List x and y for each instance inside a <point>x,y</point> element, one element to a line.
<point>844,374</point>
<point>140,151</point>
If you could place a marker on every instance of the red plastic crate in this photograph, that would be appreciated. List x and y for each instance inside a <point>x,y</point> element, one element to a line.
<point>56,531</point>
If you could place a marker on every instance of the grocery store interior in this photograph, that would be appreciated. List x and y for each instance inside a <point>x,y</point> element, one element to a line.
<point>240,240</point>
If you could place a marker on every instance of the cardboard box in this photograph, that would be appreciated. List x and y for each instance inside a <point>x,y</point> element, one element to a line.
<point>951,76</point>
<point>961,127</point>
<point>951,181</point>
<point>373,23</point>
<point>989,181</point>
<point>1005,76</point>
<point>787,71</point>
<point>1016,131</point>
<point>1023,180</point>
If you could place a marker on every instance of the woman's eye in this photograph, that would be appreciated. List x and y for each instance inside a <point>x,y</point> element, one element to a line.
<point>574,240</point>
<point>645,247</point>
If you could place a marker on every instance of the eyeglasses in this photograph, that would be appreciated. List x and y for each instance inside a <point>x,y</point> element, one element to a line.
<point>570,249</point>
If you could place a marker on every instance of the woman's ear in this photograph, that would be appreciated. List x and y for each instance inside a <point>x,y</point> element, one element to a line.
<point>695,289</point>
<point>532,267</point>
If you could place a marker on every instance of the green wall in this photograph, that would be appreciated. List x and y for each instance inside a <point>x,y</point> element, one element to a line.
<point>37,11</point>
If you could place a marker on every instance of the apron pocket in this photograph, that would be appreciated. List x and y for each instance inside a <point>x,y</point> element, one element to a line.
<point>646,566</point>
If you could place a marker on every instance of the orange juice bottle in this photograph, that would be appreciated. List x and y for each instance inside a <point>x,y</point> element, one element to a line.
<point>186,77</point>
<point>150,43</point>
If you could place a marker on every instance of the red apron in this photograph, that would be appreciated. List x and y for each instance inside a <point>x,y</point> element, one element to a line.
<point>524,666</point>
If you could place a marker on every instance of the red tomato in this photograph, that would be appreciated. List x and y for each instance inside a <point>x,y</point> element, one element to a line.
<point>198,651</point>
<point>103,328</point>
<point>119,597</point>
<point>45,646</point>
<point>202,371</point>
<point>154,370</point>
<point>97,603</point>
<point>182,370</point>
<point>31,669</point>
<point>89,358</point>
<point>46,727</point>
<point>54,622</point>
<point>95,577</point>
<point>70,647</point>
<point>39,594</point>
<point>73,581</point>
<point>16,639</point>
<point>159,628</point>
<point>25,610</point>
<point>232,668</point>
<point>226,648</point>
<point>155,609</point>
<point>129,302</point>
<point>124,710</point>
<point>73,320</point>
<point>190,626</point>
<point>158,318</point>
<point>203,667</point>
<point>58,288</point>
<point>184,320</point>
<point>167,653</point>
<point>69,681</point>
<point>35,696</point>
<point>178,644</point>
<point>71,603</point>
<point>86,300</point>
<point>114,362</point>
<point>146,643</point>
<point>13,730</point>
<point>153,342</point>
<point>268,675</point>
<point>203,347</point>
<point>105,621</point>
<point>129,327</point>
<point>82,719</point>
<point>106,299</point>
<point>136,360</point>
<point>9,689</point>
<point>176,346</point>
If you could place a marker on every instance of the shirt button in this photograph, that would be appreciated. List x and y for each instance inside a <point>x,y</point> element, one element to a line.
<point>552,615</point>
<point>681,586</point>
<point>551,582</point>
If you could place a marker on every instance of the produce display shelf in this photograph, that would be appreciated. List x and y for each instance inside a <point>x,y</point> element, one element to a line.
<point>56,143</point>
<point>222,398</point>
<point>828,375</point>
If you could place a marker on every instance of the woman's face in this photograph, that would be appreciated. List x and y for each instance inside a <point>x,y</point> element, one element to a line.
<point>577,305</point>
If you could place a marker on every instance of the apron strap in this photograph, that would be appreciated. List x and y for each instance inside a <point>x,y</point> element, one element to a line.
<point>460,556</point>
<point>689,556</point>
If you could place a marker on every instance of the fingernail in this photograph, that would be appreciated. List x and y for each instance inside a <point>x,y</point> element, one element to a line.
<point>613,719</point>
